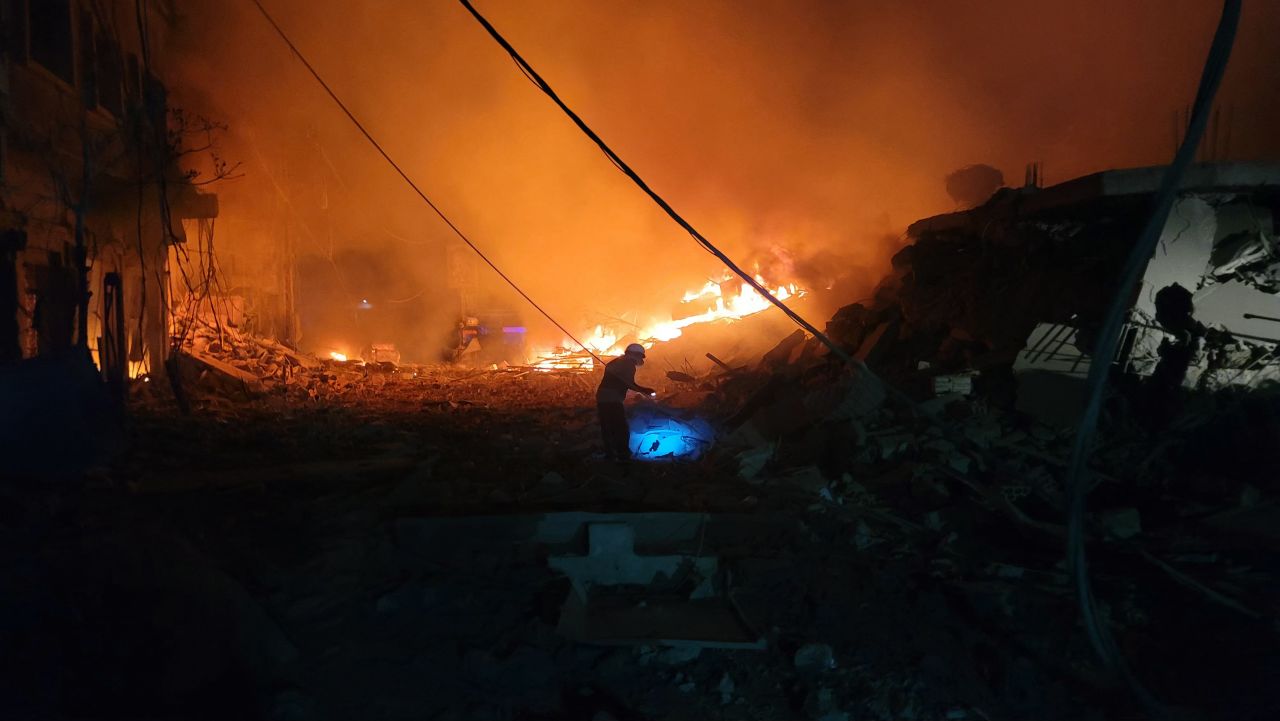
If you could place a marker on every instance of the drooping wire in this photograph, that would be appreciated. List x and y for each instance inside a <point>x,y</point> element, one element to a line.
<point>701,240</point>
<point>1108,342</point>
<point>405,176</point>
<point>1099,635</point>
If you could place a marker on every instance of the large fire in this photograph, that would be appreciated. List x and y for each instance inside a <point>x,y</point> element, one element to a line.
<point>725,299</point>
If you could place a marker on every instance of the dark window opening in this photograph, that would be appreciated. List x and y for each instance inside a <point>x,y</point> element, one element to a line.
<point>110,77</point>
<point>156,96</point>
<point>132,86</point>
<point>15,29</point>
<point>51,37</point>
<point>86,62</point>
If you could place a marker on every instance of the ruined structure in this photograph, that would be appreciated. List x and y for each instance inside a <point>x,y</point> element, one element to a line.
<point>1017,287</point>
<point>93,200</point>
<point>318,514</point>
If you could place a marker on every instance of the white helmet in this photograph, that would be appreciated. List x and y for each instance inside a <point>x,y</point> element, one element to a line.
<point>635,349</point>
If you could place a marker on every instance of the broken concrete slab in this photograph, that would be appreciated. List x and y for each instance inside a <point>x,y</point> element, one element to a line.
<point>613,561</point>
<point>1183,253</point>
<point>626,618</point>
<point>814,658</point>
<point>1240,309</point>
<point>858,395</point>
<point>877,342</point>
<point>955,384</point>
<point>1121,523</point>
<point>680,606</point>
<point>250,381</point>
<point>1051,372</point>
<point>782,352</point>
<point>753,460</point>
<point>1244,236</point>
<point>657,533</point>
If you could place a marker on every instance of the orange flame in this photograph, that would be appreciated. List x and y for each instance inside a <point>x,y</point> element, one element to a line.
<point>720,302</point>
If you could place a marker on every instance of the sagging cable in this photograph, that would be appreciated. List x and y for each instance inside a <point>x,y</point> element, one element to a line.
<point>405,176</point>
<point>545,87</point>
<point>1097,627</point>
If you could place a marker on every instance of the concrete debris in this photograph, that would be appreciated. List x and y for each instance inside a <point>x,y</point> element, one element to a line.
<point>684,606</point>
<point>1020,283</point>
<point>960,384</point>
<point>678,655</point>
<point>813,658</point>
<point>752,461</point>
<point>1051,371</point>
<point>1183,253</point>
<point>929,491</point>
<point>1121,523</point>
<point>726,687</point>
<point>920,543</point>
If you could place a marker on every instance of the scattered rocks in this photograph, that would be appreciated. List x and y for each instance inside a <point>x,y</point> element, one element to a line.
<point>814,658</point>
<point>726,687</point>
<point>1121,523</point>
<point>678,655</point>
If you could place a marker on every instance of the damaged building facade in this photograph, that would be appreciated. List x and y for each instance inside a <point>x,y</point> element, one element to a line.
<point>1012,293</point>
<point>94,206</point>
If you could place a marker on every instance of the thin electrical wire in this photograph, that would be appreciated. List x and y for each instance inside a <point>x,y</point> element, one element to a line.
<point>405,176</point>
<point>702,241</point>
<point>1215,64</point>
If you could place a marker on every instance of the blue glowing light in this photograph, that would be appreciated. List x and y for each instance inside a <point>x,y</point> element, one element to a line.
<point>657,435</point>
<point>513,329</point>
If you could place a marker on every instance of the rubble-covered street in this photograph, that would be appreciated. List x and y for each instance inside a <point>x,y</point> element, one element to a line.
<point>577,361</point>
<point>375,544</point>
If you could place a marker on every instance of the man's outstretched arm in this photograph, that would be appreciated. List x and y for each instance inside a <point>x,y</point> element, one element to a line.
<point>628,376</point>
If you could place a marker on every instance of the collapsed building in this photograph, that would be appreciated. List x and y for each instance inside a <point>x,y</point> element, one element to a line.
<point>95,207</point>
<point>1011,293</point>
<point>282,535</point>
<point>96,215</point>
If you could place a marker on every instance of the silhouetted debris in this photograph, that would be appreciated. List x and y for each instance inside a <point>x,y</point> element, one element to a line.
<point>903,551</point>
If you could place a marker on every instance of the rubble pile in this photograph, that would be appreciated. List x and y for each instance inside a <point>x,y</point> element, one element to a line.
<point>963,466</point>
<point>974,491</point>
<point>258,363</point>
<point>901,531</point>
<point>1013,292</point>
<point>220,361</point>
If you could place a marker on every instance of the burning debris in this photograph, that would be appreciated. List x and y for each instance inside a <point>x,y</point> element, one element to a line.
<point>800,489</point>
<point>328,471</point>
<point>942,523</point>
<point>727,299</point>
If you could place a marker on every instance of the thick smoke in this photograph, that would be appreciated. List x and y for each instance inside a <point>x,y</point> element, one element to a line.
<point>801,135</point>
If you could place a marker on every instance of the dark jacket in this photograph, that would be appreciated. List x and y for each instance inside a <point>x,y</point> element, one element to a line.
<point>619,377</point>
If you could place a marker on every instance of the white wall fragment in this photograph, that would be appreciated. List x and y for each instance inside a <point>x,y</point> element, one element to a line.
<point>1183,253</point>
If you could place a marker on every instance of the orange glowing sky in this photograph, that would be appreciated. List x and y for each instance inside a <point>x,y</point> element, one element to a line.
<point>809,125</point>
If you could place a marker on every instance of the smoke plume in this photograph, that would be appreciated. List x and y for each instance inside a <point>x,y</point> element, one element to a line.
<point>800,135</point>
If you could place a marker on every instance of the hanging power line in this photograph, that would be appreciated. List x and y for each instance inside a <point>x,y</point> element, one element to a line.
<point>1215,65</point>
<point>405,176</point>
<point>1108,343</point>
<point>626,170</point>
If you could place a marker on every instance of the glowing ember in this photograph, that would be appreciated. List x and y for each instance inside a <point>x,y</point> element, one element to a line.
<point>340,357</point>
<point>718,298</point>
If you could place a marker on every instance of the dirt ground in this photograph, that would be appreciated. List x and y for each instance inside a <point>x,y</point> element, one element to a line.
<point>265,556</point>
